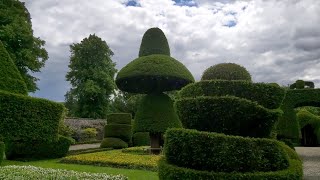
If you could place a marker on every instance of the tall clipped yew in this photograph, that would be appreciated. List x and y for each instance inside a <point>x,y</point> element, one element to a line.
<point>153,73</point>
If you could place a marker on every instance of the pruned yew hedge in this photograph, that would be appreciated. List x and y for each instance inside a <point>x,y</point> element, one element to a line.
<point>115,143</point>
<point>267,95</point>
<point>172,172</point>
<point>119,118</point>
<point>228,115</point>
<point>141,139</point>
<point>24,118</point>
<point>221,153</point>
<point>122,131</point>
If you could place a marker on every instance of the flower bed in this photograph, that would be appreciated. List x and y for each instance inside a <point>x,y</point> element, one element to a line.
<point>116,158</point>
<point>31,172</point>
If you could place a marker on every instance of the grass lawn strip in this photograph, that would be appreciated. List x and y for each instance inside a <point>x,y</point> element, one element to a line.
<point>31,172</point>
<point>116,158</point>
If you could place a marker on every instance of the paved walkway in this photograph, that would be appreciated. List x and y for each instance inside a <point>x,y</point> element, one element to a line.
<point>84,146</point>
<point>311,162</point>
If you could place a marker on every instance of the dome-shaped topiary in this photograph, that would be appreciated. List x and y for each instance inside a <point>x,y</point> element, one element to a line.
<point>154,73</point>
<point>226,71</point>
<point>10,78</point>
<point>154,42</point>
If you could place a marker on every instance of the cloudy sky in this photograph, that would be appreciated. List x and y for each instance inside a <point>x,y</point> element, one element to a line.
<point>277,41</point>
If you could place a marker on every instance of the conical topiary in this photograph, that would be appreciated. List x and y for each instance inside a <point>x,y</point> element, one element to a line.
<point>154,42</point>
<point>153,73</point>
<point>10,78</point>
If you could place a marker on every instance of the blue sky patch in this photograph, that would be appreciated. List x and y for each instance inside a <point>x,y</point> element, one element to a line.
<point>189,3</point>
<point>132,3</point>
<point>231,23</point>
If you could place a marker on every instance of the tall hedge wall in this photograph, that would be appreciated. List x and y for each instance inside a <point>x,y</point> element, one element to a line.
<point>24,118</point>
<point>305,117</point>
<point>227,114</point>
<point>10,78</point>
<point>288,126</point>
<point>267,95</point>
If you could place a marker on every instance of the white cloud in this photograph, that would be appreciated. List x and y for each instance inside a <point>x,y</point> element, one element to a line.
<point>277,41</point>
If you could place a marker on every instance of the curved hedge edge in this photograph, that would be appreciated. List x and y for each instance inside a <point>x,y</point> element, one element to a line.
<point>115,143</point>
<point>167,172</point>
<point>291,152</point>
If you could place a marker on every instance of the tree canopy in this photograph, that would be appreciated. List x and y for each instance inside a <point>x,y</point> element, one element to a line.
<point>91,76</point>
<point>16,34</point>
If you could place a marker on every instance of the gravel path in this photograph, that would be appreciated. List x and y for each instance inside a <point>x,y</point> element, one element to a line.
<point>84,146</point>
<point>311,162</point>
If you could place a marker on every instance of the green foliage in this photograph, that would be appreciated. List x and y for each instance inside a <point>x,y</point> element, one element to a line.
<point>2,146</point>
<point>153,73</point>
<point>122,131</point>
<point>220,153</point>
<point>305,117</point>
<point>119,118</point>
<point>156,114</point>
<point>172,172</point>
<point>89,134</point>
<point>290,151</point>
<point>33,149</point>
<point>10,78</point>
<point>26,51</point>
<point>288,126</point>
<point>124,102</point>
<point>91,76</point>
<point>141,139</point>
<point>267,95</point>
<point>115,143</point>
<point>226,71</point>
<point>227,114</point>
<point>154,42</point>
<point>24,118</point>
<point>300,84</point>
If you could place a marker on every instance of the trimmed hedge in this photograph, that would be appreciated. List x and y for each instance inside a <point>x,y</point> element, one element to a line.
<point>292,154</point>
<point>154,42</point>
<point>115,143</point>
<point>288,125</point>
<point>228,115</point>
<point>141,139</point>
<point>171,172</point>
<point>26,119</point>
<point>267,95</point>
<point>38,150</point>
<point>121,131</point>
<point>155,114</point>
<point>153,73</point>
<point>226,71</point>
<point>10,78</point>
<point>221,153</point>
<point>119,118</point>
<point>2,148</point>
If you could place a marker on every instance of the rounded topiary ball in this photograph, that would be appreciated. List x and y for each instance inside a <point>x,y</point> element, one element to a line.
<point>226,71</point>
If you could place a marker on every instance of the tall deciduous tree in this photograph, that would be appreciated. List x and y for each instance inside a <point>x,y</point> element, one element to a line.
<point>16,34</point>
<point>92,78</point>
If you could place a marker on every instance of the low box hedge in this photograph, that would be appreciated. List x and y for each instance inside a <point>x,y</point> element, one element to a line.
<point>223,153</point>
<point>228,115</point>
<point>114,143</point>
<point>267,95</point>
<point>121,131</point>
<point>171,172</point>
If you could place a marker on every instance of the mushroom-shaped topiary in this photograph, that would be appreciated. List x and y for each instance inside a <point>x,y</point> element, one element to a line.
<point>153,73</point>
<point>10,78</point>
<point>226,71</point>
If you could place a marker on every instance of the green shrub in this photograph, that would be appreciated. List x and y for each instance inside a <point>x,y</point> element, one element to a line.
<point>121,131</point>
<point>171,172</point>
<point>291,152</point>
<point>227,114</point>
<point>154,42</point>
<point>288,125</point>
<point>226,71</point>
<point>288,142</point>
<point>141,139</point>
<point>119,118</point>
<point>26,119</point>
<point>88,134</point>
<point>267,95</point>
<point>10,78</point>
<point>155,114</point>
<point>22,150</point>
<point>221,153</point>
<point>115,143</point>
<point>2,146</point>
<point>153,73</point>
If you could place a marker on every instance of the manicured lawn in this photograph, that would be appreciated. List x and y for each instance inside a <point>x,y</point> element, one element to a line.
<point>130,173</point>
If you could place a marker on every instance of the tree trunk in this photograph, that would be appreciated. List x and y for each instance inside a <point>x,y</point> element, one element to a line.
<point>155,143</point>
